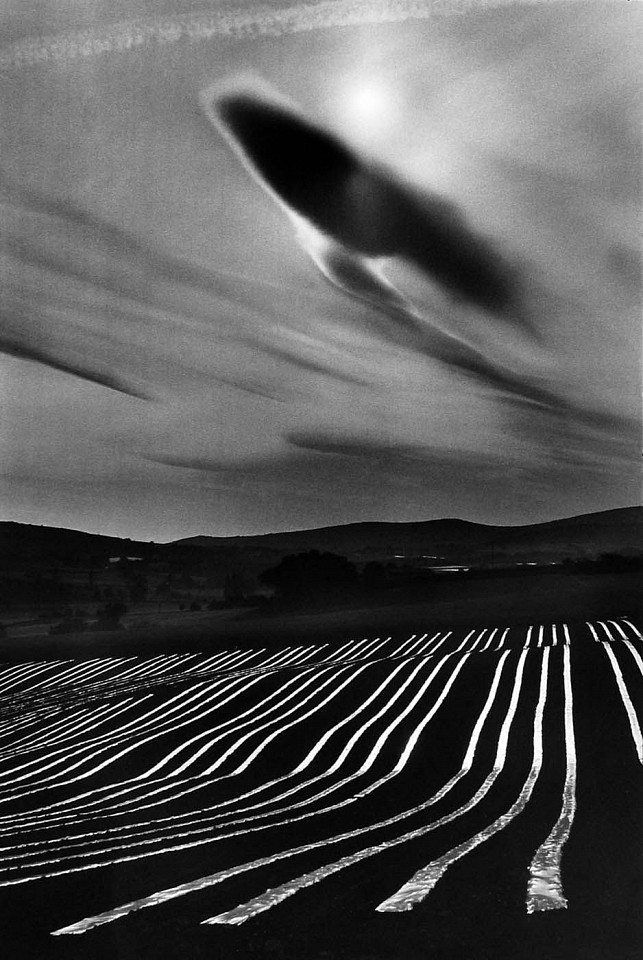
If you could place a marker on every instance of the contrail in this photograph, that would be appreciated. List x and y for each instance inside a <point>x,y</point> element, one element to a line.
<point>134,35</point>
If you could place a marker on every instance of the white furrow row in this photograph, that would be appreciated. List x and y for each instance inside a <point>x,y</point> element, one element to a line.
<point>299,688</point>
<point>138,725</point>
<point>399,766</point>
<point>400,763</point>
<point>214,879</point>
<point>627,702</point>
<point>370,760</point>
<point>27,674</point>
<point>139,742</point>
<point>61,731</point>
<point>305,763</point>
<point>74,726</point>
<point>545,888</point>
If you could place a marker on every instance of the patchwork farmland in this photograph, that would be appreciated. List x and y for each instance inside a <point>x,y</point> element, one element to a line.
<point>433,776</point>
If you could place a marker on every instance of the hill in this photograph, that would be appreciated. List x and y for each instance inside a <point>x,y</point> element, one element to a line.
<point>452,540</point>
<point>447,540</point>
<point>46,568</point>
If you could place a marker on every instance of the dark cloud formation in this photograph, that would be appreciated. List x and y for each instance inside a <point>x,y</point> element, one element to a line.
<point>596,441</point>
<point>335,471</point>
<point>376,449</point>
<point>330,474</point>
<point>48,358</point>
<point>349,214</point>
<point>364,207</point>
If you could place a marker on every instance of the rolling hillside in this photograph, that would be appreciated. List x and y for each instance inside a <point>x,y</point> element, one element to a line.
<point>618,531</point>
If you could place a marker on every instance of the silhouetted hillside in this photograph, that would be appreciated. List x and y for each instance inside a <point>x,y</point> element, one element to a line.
<point>49,566</point>
<point>453,541</point>
<point>448,540</point>
<point>20,542</point>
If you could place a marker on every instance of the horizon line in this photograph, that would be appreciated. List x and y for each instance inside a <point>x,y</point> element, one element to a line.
<point>332,526</point>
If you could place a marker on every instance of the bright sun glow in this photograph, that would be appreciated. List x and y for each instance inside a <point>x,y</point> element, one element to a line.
<point>369,108</point>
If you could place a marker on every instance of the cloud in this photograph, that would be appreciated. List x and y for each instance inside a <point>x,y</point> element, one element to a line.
<point>434,465</point>
<point>244,24</point>
<point>86,297</point>
<point>349,215</point>
<point>49,359</point>
<point>340,486</point>
<point>516,472</point>
<point>75,288</point>
<point>60,236</point>
<point>361,206</point>
<point>352,477</point>
<point>375,449</point>
<point>349,458</point>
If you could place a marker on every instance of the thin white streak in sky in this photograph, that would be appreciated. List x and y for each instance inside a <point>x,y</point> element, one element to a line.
<point>245,24</point>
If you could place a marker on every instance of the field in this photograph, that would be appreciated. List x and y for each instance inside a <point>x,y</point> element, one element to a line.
<point>451,601</point>
<point>447,792</point>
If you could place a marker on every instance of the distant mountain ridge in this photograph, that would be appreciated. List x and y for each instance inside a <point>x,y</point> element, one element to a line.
<point>451,540</point>
<point>619,530</point>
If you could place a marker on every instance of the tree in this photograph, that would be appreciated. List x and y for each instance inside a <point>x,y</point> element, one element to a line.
<point>110,615</point>
<point>137,588</point>
<point>313,575</point>
<point>374,575</point>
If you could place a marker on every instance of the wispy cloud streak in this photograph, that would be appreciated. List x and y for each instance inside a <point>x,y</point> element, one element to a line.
<point>37,354</point>
<point>242,24</point>
<point>86,297</point>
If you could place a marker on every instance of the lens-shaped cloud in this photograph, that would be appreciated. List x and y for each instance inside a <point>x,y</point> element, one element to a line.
<point>360,205</point>
<point>349,214</point>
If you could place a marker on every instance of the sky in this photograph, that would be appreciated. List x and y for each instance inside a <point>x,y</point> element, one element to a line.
<point>276,266</point>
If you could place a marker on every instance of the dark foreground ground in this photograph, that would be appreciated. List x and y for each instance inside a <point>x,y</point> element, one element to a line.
<point>478,908</point>
<point>450,602</point>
